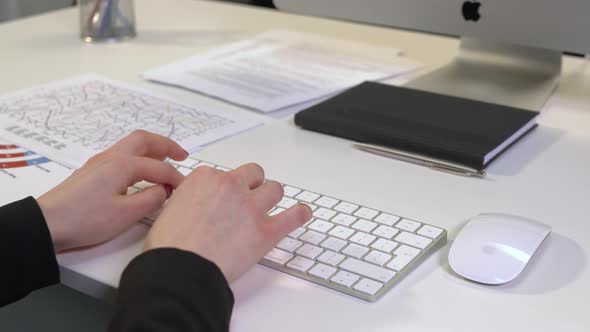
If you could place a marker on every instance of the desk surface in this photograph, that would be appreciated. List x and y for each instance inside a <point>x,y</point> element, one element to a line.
<point>544,177</point>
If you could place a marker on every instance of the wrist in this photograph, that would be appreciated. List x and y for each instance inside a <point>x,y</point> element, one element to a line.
<point>53,220</point>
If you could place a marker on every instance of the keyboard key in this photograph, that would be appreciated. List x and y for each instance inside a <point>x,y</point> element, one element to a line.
<point>399,262</point>
<point>309,251</point>
<point>132,190</point>
<point>366,213</point>
<point>344,278</point>
<point>291,191</point>
<point>323,213</point>
<point>289,244</point>
<point>203,164</point>
<point>334,244</point>
<point>406,251</point>
<point>321,226</point>
<point>185,171</point>
<point>297,233</point>
<point>309,222</point>
<point>346,207</point>
<point>363,239</point>
<point>307,196</point>
<point>312,237</point>
<point>331,258</point>
<point>341,232</point>
<point>143,185</point>
<point>287,202</point>
<point>408,225</point>
<point>323,271</point>
<point>429,231</point>
<point>368,286</point>
<point>387,219</point>
<point>276,211</point>
<point>385,232</point>
<point>354,250</point>
<point>413,240</point>
<point>384,245</point>
<point>367,270</point>
<point>278,256</point>
<point>311,206</point>
<point>188,162</point>
<point>301,264</point>
<point>364,226</point>
<point>327,202</point>
<point>377,258</point>
<point>343,219</point>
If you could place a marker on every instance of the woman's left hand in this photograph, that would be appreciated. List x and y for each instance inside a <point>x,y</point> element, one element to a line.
<point>92,205</point>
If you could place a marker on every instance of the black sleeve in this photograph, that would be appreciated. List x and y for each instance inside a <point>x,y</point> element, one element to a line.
<point>26,251</point>
<point>172,290</point>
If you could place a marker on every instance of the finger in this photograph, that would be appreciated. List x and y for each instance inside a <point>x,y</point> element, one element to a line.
<point>267,195</point>
<point>146,144</point>
<point>252,175</point>
<point>136,169</point>
<point>285,222</point>
<point>141,204</point>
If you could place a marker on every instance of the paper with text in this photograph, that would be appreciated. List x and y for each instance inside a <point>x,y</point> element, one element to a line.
<point>25,173</point>
<point>280,68</point>
<point>70,121</point>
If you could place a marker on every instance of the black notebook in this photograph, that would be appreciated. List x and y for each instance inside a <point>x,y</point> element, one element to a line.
<point>463,131</point>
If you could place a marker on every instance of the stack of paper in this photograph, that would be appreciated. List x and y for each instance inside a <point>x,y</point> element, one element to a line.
<point>280,69</point>
<point>70,121</point>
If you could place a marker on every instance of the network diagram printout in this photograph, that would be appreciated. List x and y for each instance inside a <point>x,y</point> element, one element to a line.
<point>70,121</point>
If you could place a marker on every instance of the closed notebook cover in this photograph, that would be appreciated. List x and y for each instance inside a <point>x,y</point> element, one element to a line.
<point>455,129</point>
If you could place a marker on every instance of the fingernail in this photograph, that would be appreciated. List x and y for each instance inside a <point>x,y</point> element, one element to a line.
<point>169,189</point>
<point>185,152</point>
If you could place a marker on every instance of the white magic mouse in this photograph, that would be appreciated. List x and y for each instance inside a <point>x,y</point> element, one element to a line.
<point>494,248</point>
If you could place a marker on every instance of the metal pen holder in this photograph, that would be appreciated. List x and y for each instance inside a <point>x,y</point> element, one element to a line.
<point>106,20</point>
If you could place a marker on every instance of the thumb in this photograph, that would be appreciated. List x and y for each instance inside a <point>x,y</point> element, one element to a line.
<point>141,204</point>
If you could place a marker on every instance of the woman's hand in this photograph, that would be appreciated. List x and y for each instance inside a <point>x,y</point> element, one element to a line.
<point>223,217</point>
<point>92,205</point>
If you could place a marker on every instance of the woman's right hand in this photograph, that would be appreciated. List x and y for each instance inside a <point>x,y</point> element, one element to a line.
<point>222,216</point>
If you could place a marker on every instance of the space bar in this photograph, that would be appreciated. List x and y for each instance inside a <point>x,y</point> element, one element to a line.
<point>367,270</point>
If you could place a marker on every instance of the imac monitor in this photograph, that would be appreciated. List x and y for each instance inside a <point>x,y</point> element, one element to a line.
<point>510,50</point>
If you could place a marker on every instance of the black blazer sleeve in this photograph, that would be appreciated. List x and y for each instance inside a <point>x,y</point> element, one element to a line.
<point>26,251</point>
<point>172,290</point>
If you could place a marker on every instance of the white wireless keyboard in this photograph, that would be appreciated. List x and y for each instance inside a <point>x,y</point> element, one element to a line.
<point>350,248</point>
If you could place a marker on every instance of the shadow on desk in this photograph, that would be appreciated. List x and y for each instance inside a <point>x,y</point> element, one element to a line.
<point>574,87</point>
<point>190,38</point>
<point>557,263</point>
<point>176,38</point>
<point>525,151</point>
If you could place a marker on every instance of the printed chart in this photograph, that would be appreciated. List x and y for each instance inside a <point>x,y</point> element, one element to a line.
<point>25,173</point>
<point>12,156</point>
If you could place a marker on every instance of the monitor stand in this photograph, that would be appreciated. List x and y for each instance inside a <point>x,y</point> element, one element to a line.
<point>499,73</point>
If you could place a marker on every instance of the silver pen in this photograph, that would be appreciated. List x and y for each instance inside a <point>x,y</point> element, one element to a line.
<point>432,163</point>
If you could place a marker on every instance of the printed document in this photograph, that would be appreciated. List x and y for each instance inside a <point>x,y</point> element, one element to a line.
<point>70,121</point>
<point>280,69</point>
<point>24,173</point>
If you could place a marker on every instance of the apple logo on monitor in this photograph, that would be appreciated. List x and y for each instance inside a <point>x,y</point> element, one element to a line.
<point>471,11</point>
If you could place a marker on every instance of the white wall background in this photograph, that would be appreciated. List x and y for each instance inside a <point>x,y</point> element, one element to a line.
<point>10,9</point>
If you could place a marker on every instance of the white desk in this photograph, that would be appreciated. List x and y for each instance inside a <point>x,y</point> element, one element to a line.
<point>544,176</point>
